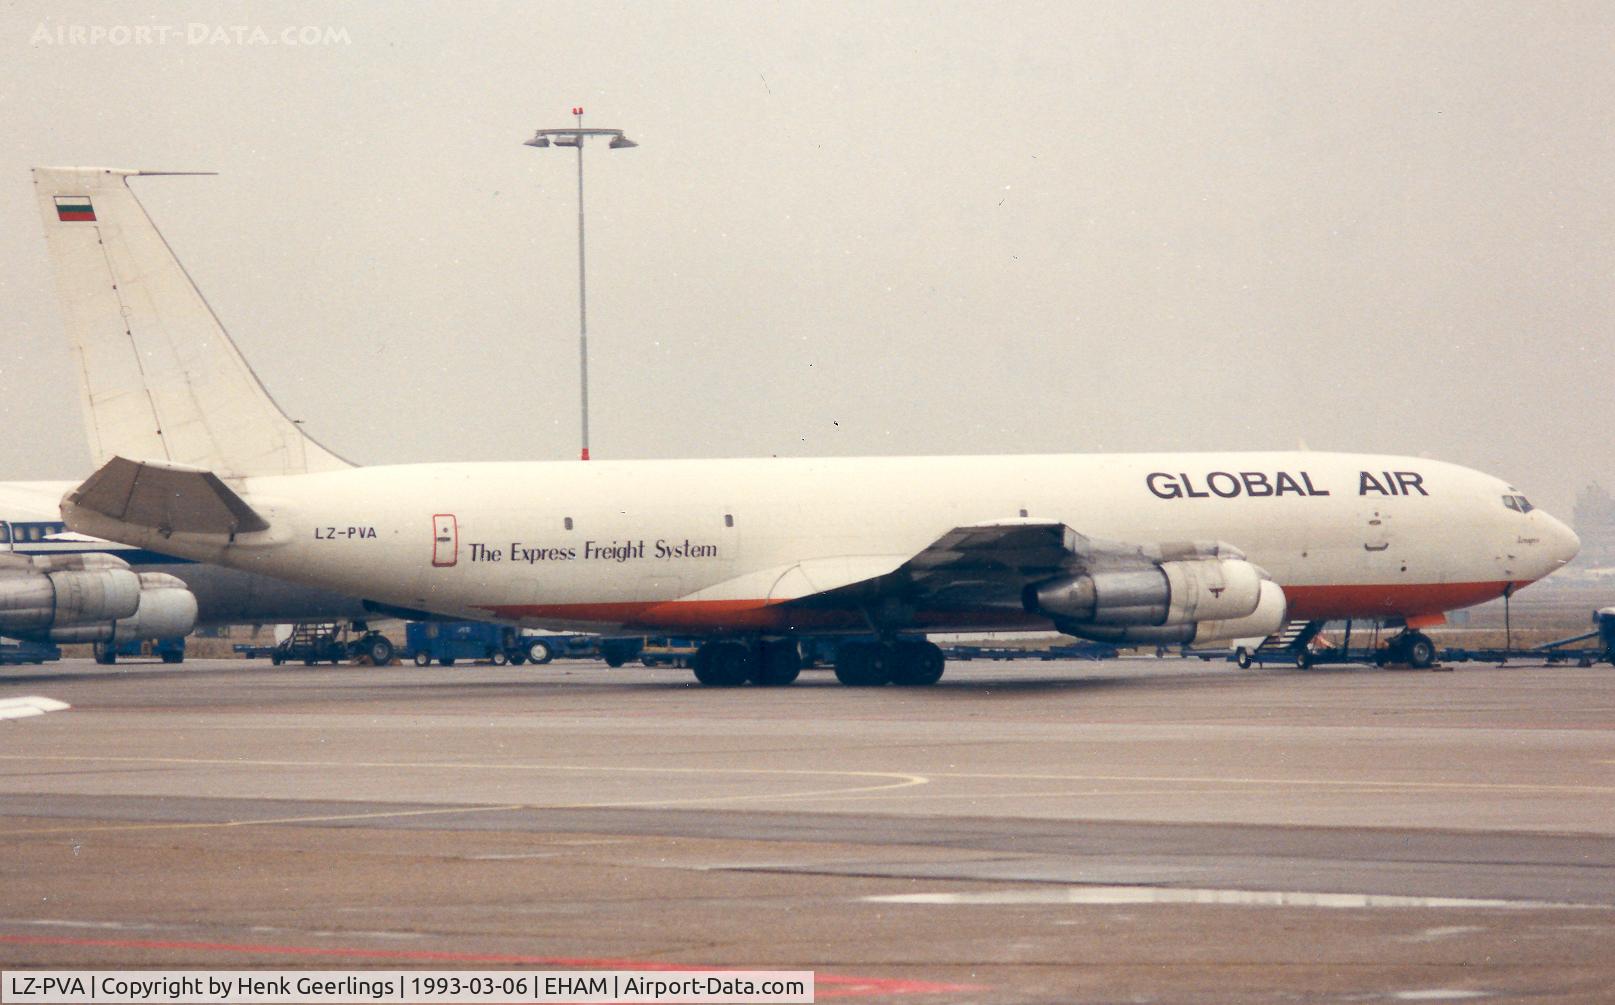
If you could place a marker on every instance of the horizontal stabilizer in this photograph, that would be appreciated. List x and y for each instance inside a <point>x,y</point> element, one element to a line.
<point>165,498</point>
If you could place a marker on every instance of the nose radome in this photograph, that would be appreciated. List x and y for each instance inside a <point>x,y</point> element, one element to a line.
<point>1563,544</point>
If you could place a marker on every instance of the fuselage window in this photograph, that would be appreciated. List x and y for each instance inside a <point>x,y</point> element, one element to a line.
<point>728,519</point>
<point>568,523</point>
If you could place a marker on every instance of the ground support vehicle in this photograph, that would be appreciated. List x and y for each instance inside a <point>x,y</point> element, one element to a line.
<point>449,642</point>
<point>333,642</point>
<point>168,650</point>
<point>668,652</point>
<point>1070,651</point>
<point>13,651</point>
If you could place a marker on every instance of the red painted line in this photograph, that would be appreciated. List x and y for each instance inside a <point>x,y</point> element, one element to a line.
<point>842,986</point>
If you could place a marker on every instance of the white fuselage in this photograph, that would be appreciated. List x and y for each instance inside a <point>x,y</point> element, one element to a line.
<point>710,545</point>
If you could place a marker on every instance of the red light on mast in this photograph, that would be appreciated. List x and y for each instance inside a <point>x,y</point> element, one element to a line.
<point>577,111</point>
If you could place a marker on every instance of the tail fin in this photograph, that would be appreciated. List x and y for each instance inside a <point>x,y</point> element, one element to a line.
<point>159,379</point>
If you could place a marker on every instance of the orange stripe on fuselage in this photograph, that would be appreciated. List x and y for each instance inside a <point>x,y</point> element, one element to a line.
<point>1400,600</point>
<point>1394,600</point>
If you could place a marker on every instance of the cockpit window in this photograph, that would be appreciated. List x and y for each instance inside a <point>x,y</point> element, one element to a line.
<point>1511,503</point>
<point>1518,504</point>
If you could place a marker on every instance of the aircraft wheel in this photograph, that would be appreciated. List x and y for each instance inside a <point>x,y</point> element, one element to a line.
<point>724,664</point>
<point>423,659</point>
<point>1242,658</point>
<point>380,650</point>
<point>539,652</point>
<point>498,658</point>
<point>917,664</point>
<point>1421,652</point>
<point>778,664</point>
<point>862,664</point>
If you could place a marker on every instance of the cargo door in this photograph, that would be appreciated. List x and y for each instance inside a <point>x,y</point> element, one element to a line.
<point>445,540</point>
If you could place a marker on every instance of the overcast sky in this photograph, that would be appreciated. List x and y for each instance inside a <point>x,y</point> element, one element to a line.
<point>865,228</point>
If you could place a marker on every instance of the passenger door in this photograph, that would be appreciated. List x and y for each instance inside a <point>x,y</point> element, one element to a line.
<point>445,540</point>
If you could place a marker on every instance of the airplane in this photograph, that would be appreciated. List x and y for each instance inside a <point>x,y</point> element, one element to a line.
<point>62,587</point>
<point>750,555</point>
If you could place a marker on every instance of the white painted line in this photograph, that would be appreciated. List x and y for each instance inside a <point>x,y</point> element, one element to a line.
<point>1115,895</point>
<point>21,708</point>
<point>1435,934</point>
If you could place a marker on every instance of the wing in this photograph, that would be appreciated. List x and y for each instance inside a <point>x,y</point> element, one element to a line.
<point>991,565</point>
<point>977,574</point>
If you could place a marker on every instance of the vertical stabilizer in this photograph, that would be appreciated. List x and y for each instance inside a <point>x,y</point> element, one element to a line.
<point>159,378</point>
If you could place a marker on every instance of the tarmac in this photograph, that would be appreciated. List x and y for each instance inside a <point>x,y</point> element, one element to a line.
<point>1138,830</point>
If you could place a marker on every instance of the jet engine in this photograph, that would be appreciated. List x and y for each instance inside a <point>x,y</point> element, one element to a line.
<point>1196,600</point>
<point>89,598</point>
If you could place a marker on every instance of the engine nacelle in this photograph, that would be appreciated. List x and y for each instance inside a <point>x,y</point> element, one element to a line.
<point>90,598</point>
<point>167,609</point>
<point>1177,593</point>
<point>34,600</point>
<point>1272,610</point>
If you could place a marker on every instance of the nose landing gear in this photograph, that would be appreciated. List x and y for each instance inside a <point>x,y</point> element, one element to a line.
<point>1411,647</point>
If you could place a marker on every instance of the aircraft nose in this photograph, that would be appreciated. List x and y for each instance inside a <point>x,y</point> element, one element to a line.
<point>1562,542</point>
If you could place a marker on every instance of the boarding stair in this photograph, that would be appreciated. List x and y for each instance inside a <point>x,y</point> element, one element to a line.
<point>1293,642</point>
<point>313,642</point>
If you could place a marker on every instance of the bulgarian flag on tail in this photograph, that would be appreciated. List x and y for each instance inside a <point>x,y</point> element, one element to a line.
<point>72,208</point>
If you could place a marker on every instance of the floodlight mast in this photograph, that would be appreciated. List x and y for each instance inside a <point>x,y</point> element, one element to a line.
<point>574,137</point>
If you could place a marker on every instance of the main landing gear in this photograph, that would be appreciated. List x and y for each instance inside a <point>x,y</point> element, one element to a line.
<point>906,662</point>
<point>1413,648</point>
<point>776,662</point>
<point>730,663</point>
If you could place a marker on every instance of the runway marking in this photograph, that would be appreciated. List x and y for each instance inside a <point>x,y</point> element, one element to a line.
<point>892,780</point>
<point>1113,895</point>
<point>839,985</point>
<point>29,705</point>
<point>1435,934</point>
<point>1209,790</point>
<point>217,824</point>
<point>905,779</point>
<point>1339,783</point>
